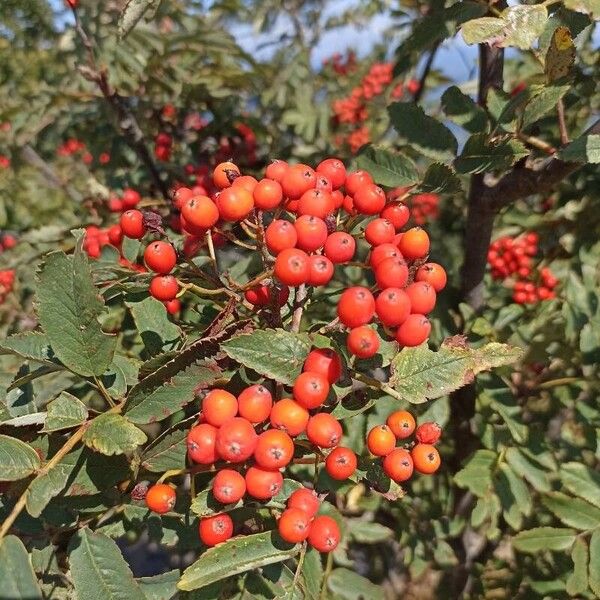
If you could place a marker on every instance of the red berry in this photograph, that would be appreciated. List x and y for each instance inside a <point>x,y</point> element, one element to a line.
<point>317,203</point>
<point>356,306</point>
<point>292,267</point>
<point>263,484</point>
<point>236,440</point>
<point>325,362</point>
<point>363,342</point>
<point>369,199</point>
<point>201,441</point>
<point>357,180</point>
<point>255,403</point>
<point>289,416</point>
<point>391,273</point>
<point>334,170</point>
<point>160,257</point>
<point>381,252</point>
<point>433,274</point>
<point>324,534</point>
<point>414,331</point>
<point>311,233</point>
<point>160,498</point>
<point>219,406</point>
<point>274,449</point>
<point>293,525</point>
<point>228,486</point>
<point>392,306</point>
<point>200,211</point>
<point>164,287</point>
<point>428,433</point>
<point>276,170</point>
<point>323,430</point>
<point>422,297</point>
<point>341,463</point>
<point>306,500</point>
<point>267,194</point>
<point>380,231</point>
<point>310,389</point>
<point>340,247</point>
<point>397,213</point>
<point>130,198</point>
<point>132,224</point>
<point>215,530</point>
<point>398,465</point>
<point>321,270</point>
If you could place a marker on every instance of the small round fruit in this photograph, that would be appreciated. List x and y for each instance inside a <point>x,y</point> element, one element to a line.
<point>160,498</point>
<point>164,287</point>
<point>391,272</point>
<point>289,416</point>
<point>357,180</point>
<point>228,486</point>
<point>132,224</point>
<point>425,458</point>
<point>293,525</point>
<point>201,440</point>
<point>292,267</point>
<point>200,211</point>
<point>235,204</point>
<point>380,231</point>
<point>402,424</point>
<point>160,257</point>
<point>311,233</point>
<point>219,406</point>
<point>398,465</point>
<point>298,179</point>
<point>363,342</point>
<point>414,243</point>
<point>215,530</point>
<point>316,203</point>
<point>324,430</point>
<point>369,199</point>
<point>334,170</point>
<point>422,297</point>
<point>267,194</point>
<point>321,270</point>
<point>341,463</point>
<point>255,403</point>
<point>224,174</point>
<point>263,484</point>
<point>340,247</point>
<point>381,252</point>
<point>324,534</point>
<point>306,500</point>
<point>236,440</point>
<point>414,331</point>
<point>274,449</point>
<point>392,306</point>
<point>280,235</point>
<point>310,389</point>
<point>324,361</point>
<point>433,274</point>
<point>428,433</point>
<point>380,440</point>
<point>397,213</point>
<point>115,236</point>
<point>276,170</point>
<point>246,181</point>
<point>356,306</point>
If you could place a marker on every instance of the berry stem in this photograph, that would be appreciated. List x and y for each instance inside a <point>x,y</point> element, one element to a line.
<point>299,302</point>
<point>376,384</point>
<point>328,568</point>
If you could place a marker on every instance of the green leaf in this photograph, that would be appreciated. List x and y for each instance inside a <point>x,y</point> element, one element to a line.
<point>541,539</point>
<point>476,476</point>
<point>17,459</point>
<point>110,434</point>
<point>444,555</point>
<point>518,489</point>
<point>594,574</point>
<point>274,353</point>
<point>98,570</point>
<point>477,31</point>
<point>68,309</point>
<point>419,374</point>
<point>130,249</point>
<point>577,582</point>
<point>19,581</point>
<point>585,6</point>
<point>236,556</point>
<point>585,149</point>
<point>526,469</point>
<point>65,412</point>
<point>387,168</point>
<point>365,532</point>
<point>581,481</point>
<point>312,573</point>
<point>463,110</point>
<point>205,504</point>
<point>480,154</point>
<point>439,179</point>
<point>169,451</point>
<point>543,102</point>
<point>422,132</point>
<point>152,322</point>
<point>349,585</point>
<point>132,13</point>
<point>159,587</point>
<point>573,512</point>
<point>148,404</point>
<point>32,345</point>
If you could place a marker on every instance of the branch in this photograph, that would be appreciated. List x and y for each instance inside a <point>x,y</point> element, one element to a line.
<point>426,70</point>
<point>299,301</point>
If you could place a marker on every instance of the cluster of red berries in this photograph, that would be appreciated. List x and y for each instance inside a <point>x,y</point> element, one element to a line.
<point>340,64</point>
<point>163,146</point>
<point>400,463</point>
<point>74,146</point>
<point>130,198</point>
<point>4,161</point>
<point>513,258</point>
<point>7,279</point>
<point>242,145</point>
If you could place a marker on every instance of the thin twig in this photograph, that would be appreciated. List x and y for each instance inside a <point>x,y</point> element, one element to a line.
<point>299,302</point>
<point>562,125</point>
<point>426,70</point>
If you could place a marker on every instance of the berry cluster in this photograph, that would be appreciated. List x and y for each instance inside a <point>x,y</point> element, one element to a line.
<point>400,463</point>
<point>4,161</point>
<point>7,279</point>
<point>342,65</point>
<point>74,146</point>
<point>129,199</point>
<point>163,146</point>
<point>512,258</point>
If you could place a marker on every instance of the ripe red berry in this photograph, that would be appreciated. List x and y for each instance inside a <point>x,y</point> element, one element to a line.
<point>276,170</point>
<point>297,179</point>
<point>255,403</point>
<point>160,498</point>
<point>293,525</point>
<point>414,243</point>
<point>380,440</point>
<point>236,440</point>
<point>425,458</point>
<point>334,170</point>
<point>274,449</point>
<point>263,484</point>
<point>130,198</point>
<point>132,224</point>
<point>306,500</point>
<point>247,182</point>
<point>310,389</point>
<point>280,235</point>
<point>433,274</point>
<point>398,465</point>
<point>422,297</point>
<point>392,306</point>
<point>369,199</point>
<point>340,247</point>
<point>311,233</point>
<point>414,331</point>
<point>224,174</point>
<point>323,430</point>
<point>201,440</point>
<point>289,416</point>
<point>356,306</point>
<point>234,203</point>
<point>324,534</point>
<point>397,213</point>
<point>200,211</point>
<point>292,267</point>
<point>381,252</point>
<point>428,433</point>
<point>228,486</point>
<point>267,194</point>
<point>160,257</point>
<point>321,270</point>
<point>164,287</point>
<point>391,273</point>
<point>356,180</point>
<point>215,530</point>
<point>341,463</point>
<point>324,361</point>
<point>363,342</point>
<point>219,406</point>
<point>402,424</point>
<point>380,231</point>
<point>317,203</point>
<point>115,236</point>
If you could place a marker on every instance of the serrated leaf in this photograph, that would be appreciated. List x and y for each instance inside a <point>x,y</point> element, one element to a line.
<point>111,433</point>
<point>37,418</point>
<point>518,489</point>
<point>236,556</point>
<point>387,168</point>
<point>439,179</point>
<point>421,132</point>
<point>148,404</point>
<point>481,154</point>
<point>585,149</point>
<point>68,309</point>
<point>419,374</point>
<point>312,573</point>
<point>541,539</point>
<point>573,512</point>
<point>560,55</point>
<point>64,412</point>
<point>132,13</point>
<point>594,569</point>
<point>348,585</point>
<point>543,102</point>
<point>159,587</point>
<point>168,452</point>
<point>477,31</point>
<point>577,582</point>
<point>98,570</point>
<point>19,581</point>
<point>17,459</point>
<point>581,481</point>
<point>476,475</point>
<point>32,345</point>
<point>463,110</point>
<point>274,353</point>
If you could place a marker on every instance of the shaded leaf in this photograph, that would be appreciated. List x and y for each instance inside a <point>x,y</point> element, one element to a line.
<point>439,179</point>
<point>19,581</point>
<point>32,345</point>
<point>349,585</point>
<point>481,154</point>
<point>581,481</point>
<point>543,102</point>
<point>573,512</point>
<point>387,168</point>
<point>64,412</point>
<point>585,149</point>
<point>476,475</point>
<point>541,539</point>
<point>577,582</point>
<point>463,110</point>
<point>17,459</point>
<point>111,433</point>
<point>594,570</point>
